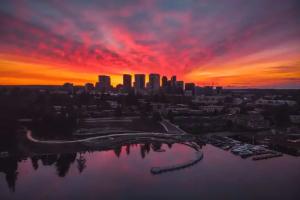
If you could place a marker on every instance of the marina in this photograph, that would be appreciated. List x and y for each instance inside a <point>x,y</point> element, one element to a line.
<point>244,150</point>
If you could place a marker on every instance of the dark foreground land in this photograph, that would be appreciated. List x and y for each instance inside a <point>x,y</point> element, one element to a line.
<point>252,129</point>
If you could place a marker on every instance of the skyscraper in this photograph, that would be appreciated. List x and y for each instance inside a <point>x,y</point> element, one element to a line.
<point>103,83</point>
<point>172,85</point>
<point>139,83</point>
<point>173,81</point>
<point>164,82</point>
<point>154,82</point>
<point>179,87</point>
<point>127,82</point>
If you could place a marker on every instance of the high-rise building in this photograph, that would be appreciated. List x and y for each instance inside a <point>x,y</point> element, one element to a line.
<point>164,82</point>
<point>173,81</point>
<point>179,87</point>
<point>104,83</point>
<point>139,83</point>
<point>154,82</point>
<point>127,82</point>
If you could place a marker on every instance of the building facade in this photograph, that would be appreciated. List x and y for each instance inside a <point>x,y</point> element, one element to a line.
<point>154,82</point>
<point>139,83</point>
<point>104,83</point>
<point>127,82</point>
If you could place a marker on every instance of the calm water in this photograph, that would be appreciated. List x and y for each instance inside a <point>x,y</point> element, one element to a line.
<point>125,174</point>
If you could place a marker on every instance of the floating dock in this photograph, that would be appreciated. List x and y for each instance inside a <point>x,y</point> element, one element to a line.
<point>267,156</point>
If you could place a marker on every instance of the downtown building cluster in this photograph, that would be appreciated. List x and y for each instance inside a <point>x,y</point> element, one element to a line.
<point>156,84</point>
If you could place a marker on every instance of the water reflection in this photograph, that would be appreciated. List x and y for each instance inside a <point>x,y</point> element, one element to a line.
<point>62,162</point>
<point>9,166</point>
<point>81,163</point>
<point>104,174</point>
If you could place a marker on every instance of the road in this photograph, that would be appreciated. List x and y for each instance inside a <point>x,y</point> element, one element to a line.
<point>147,134</point>
<point>171,128</point>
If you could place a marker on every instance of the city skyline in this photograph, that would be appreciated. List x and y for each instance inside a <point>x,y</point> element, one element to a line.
<point>233,44</point>
<point>150,99</point>
<point>152,81</point>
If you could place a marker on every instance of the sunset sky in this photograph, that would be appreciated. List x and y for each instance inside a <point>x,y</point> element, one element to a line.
<point>234,43</point>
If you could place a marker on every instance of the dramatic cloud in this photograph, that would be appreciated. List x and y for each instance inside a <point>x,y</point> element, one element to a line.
<point>235,43</point>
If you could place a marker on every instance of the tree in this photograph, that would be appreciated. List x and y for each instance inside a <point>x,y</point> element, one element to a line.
<point>281,115</point>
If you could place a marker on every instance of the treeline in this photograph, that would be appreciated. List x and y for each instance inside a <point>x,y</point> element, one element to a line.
<point>16,104</point>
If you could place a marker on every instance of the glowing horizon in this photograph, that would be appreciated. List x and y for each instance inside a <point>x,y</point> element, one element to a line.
<point>233,44</point>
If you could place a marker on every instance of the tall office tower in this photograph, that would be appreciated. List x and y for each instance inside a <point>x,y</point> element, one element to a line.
<point>154,82</point>
<point>164,82</point>
<point>173,81</point>
<point>127,82</point>
<point>179,87</point>
<point>139,83</point>
<point>104,83</point>
<point>190,88</point>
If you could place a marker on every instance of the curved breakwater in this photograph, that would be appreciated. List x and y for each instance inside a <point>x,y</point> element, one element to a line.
<point>159,170</point>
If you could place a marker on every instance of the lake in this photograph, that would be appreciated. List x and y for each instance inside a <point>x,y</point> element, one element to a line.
<point>125,173</point>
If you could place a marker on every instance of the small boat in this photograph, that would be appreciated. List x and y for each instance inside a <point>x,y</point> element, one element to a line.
<point>237,150</point>
<point>245,153</point>
<point>226,147</point>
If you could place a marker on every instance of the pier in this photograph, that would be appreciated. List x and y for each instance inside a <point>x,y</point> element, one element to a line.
<point>267,156</point>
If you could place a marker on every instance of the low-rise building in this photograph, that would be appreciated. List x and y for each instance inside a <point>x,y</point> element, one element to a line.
<point>212,108</point>
<point>209,100</point>
<point>237,101</point>
<point>277,102</point>
<point>88,87</point>
<point>251,121</point>
<point>295,119</point>
<point>234,110</point>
